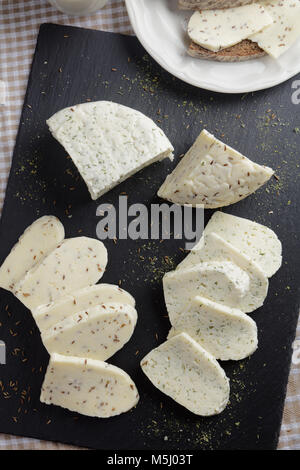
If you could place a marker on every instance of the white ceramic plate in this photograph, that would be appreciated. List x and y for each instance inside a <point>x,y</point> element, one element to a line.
<point>161,28</point>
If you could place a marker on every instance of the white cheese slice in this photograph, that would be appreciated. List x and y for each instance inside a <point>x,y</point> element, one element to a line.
<point>108,142</point>
<point>214,175</point>
<point>218,29</point>
<point>226,333</point>
<point>38,240</point>
<point>256,241</point>
<point>183,370</point>
<point>3,93</point>
<point>94,333</point>
<point>74,264</point>
<point>89,387</point>
<point>215,248</point>
<point>46,316</point>
<point>282,34</point>
<point>223,282</point>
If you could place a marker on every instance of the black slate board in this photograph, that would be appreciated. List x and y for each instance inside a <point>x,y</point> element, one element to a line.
<point>70,66</point>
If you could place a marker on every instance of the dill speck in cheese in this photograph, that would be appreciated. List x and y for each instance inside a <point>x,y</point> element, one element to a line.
<point>183,370</point>
<point>219,29</point>
<point>90,387</point>
<point>108,142</point>
<point>95,333</point>
<point>46,316</point>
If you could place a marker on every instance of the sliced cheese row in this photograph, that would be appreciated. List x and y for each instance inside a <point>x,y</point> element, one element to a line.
<point>206,298</point>
<point>272,24</point>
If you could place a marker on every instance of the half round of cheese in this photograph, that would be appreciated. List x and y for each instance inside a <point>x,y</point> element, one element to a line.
<point>74,264</point>
<point>38,240</point>
<point>94,333</point>
<point>183,370</point>
<point>254,240</point>
<point>108,142</point>
<point>47,316</point>
<point>89,387</point>
<point>214,248</point>
<point>224,282</point>
<point>226,333</point>
<point>213,175</point>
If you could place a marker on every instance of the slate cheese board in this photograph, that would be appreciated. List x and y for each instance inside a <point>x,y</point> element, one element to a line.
<point>73,65</point>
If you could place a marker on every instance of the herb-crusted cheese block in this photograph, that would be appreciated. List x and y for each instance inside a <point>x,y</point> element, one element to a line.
<point>214,175</point>
<point>37,241</point>
<point>47,316</point>
<point>214,248</point>
<point>219,29</point>
<point>108,142</point>
<point>281,35</point>
<point>211,4</point>
<point>226,333</point>
<point>95,333</point>
<point>90,387</point>
<point>183,370</point>
<point>74,264</point>
<point>223,282</point>
<point>256,241</point>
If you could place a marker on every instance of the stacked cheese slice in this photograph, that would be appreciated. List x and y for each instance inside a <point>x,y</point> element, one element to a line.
<point>207,298</point>
<point>245,32</point>
<point>82,324</point>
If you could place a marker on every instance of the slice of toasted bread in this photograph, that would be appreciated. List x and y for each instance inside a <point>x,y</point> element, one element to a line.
<point>244,50</point>
<point>211,4</point>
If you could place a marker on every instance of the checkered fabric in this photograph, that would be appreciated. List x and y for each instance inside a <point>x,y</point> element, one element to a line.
<point>19,23</point>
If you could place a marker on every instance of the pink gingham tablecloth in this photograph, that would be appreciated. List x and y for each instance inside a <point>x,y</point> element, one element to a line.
<point>19,24</point>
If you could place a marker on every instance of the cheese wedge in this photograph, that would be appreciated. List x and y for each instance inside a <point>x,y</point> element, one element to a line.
<point>47,316</point>
<point>183,370</point>
<point>214,248</point>
<point>94,333</point>
<point>89,387</point>
<point>219,29</point>
<point>282,34</point>
<point>108,142</point>
<point>3,93</point>
<point>38,240</point>
<point>74,264</point>
<point>226,333</point>
<point>213,174</point>
<point>254,240</point>
<point>223,282</point>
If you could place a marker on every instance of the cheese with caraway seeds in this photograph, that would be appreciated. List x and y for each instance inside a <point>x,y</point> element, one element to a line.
<point>47,316</point>
<point>38,240</point>
<point>256,241</point>
<point>95,333</point>
<point>219,29</point>
<point>224,282</point>
<point>214,248</point>
<point>108,142</point>
<point>183,370</point>
<point>89,387</point>
<point>226,333</point>
<point>74,264</point>
<point>214,175</point>
<point>282,34</point>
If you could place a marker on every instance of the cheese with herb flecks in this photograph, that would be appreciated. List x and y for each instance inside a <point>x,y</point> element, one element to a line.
<point>254,240</point>
<point>95,333</point>
<point>282,34</point>
<point>108,142</point>
<point>74,264</point>
<point>219,29</point>
<point>89,387</point>
<point>46,316</point>
<point>183,370</point>
<point>224,282</point>
<point>226,333</point>
<point>38,240</point>
<point>214,248</point>
<point>214,175</point>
